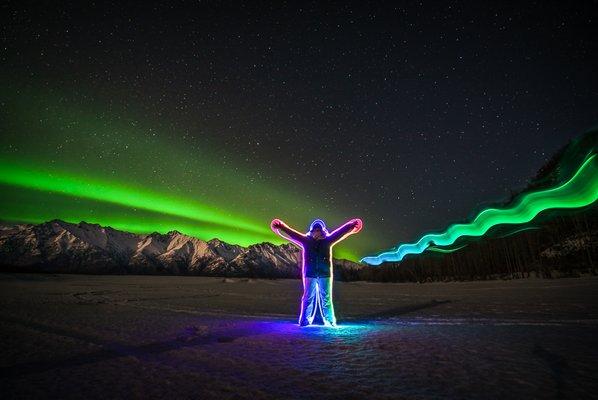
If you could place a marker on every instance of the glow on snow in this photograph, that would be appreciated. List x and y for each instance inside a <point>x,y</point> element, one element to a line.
<point>579,191</point>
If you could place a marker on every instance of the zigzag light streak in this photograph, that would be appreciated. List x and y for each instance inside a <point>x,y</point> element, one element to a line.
<point>579,191</point>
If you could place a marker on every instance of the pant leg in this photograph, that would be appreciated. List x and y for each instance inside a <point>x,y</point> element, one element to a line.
<point>325,298</point>
<point>308,301</point>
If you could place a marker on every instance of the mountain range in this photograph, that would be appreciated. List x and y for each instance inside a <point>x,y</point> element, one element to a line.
<point>58,246</point>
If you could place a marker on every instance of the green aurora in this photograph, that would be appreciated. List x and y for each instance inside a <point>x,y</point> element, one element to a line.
<point>61,159</point>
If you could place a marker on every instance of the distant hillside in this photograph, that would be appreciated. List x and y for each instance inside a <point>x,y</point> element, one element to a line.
<point>565,161</point>
<point>58,246</point>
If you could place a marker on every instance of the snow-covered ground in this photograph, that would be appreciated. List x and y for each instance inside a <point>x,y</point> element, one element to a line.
<point>107,337</point>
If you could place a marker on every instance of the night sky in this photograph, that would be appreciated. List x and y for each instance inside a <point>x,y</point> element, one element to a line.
<point>410,117</point>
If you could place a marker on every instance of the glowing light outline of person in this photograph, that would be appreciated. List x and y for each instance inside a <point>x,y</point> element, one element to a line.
<point>300,240</point>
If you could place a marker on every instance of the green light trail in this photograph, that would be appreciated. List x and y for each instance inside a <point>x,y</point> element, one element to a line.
<point>527,228</point>
<point>454,249</point>
<point>579,191</point>
<point>439,250</point>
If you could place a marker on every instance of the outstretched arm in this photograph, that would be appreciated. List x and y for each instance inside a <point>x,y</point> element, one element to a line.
<point>287,232</point>
<point>348,228</point>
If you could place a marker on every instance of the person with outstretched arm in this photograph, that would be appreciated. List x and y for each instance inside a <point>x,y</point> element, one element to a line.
<point>316,265</point>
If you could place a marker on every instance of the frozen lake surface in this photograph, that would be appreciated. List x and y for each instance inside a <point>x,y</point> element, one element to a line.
<point>109,337</point>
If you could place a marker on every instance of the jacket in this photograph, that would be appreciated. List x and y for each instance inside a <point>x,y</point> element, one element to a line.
<point>317,253</point>
<point>317,257</point>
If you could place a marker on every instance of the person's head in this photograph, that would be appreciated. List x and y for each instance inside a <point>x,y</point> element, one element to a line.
<point>317,229</point>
